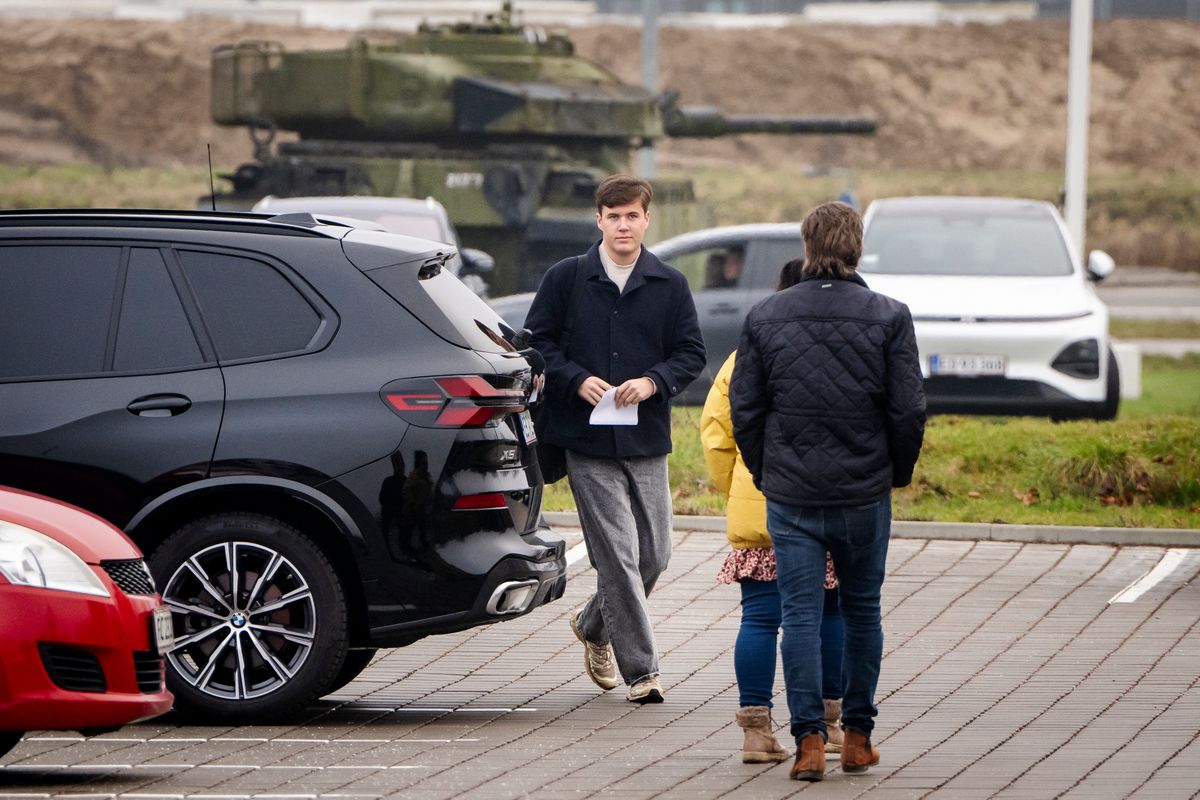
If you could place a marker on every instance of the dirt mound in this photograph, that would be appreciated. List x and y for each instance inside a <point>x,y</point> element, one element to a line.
<point>963,97</point>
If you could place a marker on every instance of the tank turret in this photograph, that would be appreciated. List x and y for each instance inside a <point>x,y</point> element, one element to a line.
<point>505,125</point>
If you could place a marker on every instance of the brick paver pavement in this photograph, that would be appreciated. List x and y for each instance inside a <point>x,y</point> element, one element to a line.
<point>1007,673</point>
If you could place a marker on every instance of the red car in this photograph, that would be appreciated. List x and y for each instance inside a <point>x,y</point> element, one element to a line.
<point>82,629</point>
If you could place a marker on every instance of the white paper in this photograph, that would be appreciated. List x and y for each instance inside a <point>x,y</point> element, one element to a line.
<point>607,413</point>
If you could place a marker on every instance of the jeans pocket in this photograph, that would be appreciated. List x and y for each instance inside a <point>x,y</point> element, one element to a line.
<point>863,528</point>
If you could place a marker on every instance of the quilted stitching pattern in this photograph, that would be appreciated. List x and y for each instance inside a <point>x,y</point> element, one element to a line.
<point>827,398</point>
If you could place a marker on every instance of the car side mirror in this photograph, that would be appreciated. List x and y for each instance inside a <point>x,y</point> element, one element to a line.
<point>1100,265</point>
<point>476,260</point>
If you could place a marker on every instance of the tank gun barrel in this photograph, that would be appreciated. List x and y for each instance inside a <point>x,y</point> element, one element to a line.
<point>705,121</point>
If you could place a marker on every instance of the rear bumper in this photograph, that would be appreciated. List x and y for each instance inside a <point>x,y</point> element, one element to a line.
<point>512,588</point>
<point>109,636</point>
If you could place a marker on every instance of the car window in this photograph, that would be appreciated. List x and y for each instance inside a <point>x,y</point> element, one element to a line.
<point>420,225</point>
<point>56,305</point>
<point>249,308</point>
<point>1021,242</point>
<point>154,332</point>
<point>718,267</point>
<point>769,256</point>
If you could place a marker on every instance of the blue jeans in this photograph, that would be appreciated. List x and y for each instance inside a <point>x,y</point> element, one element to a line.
<point>754,650</point>
<point>857,538</point>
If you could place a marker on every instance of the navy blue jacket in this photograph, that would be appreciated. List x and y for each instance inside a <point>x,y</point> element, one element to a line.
<point>826,398</point>
<point>649,330</point>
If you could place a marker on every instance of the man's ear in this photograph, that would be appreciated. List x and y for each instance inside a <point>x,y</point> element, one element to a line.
<point>646,214</point>
<point>598,220</point>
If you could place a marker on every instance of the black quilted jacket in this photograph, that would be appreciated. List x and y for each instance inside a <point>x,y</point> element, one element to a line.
<point>827,401</point>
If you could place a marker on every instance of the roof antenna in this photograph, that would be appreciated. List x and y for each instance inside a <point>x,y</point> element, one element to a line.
<point>212,190</point>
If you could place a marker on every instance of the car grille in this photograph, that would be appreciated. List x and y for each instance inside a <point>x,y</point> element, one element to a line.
<point>130,574</point>
<point>148,667</point>
<point>73,669</point>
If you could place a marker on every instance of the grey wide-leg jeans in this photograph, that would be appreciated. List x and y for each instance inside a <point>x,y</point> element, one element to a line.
<point>625,511</point>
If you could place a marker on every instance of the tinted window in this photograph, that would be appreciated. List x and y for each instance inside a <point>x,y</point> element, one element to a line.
<point>477,326</point>
<point>718,267</point>
<point>153,332</point>
<point>1023,241</point>
<point>250,309</point>
<point>55,307</point>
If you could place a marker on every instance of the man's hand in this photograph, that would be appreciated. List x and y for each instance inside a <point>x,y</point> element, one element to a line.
<point>634,391</point>
<point>593,388</point>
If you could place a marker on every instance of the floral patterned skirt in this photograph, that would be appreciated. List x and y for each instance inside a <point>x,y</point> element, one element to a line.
<point>758,564</point>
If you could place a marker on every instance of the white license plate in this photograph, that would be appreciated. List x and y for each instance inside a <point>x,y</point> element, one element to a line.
<point>526,424</point>
<point>163,630</point>
<point>967,364</point>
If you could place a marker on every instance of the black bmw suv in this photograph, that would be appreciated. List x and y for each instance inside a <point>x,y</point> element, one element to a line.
<point>317,435</point>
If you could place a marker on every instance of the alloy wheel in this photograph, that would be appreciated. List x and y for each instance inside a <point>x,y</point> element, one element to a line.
<point>245,620</point>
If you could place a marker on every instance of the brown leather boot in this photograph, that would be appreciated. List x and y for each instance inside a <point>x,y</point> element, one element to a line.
<point>810,759</point>
<point>857,752</point>
<point>833,724</point>
<point>760,745</point>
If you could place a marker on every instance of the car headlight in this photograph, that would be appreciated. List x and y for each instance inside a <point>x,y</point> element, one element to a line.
<point>29,558</point>
<point>1079,359</point>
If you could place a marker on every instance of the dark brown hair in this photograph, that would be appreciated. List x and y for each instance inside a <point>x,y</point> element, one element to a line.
<point>789,276</point>
<point>621,189</point>
<point>833,235</point>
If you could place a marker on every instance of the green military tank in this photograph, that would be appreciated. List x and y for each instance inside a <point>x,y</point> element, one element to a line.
<point>503,124</point>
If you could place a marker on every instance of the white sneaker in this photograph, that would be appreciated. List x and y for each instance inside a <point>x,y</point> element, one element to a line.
<point>598,660</point>
<point>647,690</point>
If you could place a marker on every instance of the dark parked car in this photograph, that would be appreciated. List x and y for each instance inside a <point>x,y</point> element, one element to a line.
<point>316,434</point>
<point>729,269</point>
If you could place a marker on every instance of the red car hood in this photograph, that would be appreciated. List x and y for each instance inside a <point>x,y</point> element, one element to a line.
<point>88,536</point>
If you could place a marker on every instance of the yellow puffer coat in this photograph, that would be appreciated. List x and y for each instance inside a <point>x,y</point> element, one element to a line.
<point>746,511</point>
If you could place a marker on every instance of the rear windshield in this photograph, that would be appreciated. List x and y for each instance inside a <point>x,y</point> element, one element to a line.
<point>1023,241</point>
<point>445,305</point>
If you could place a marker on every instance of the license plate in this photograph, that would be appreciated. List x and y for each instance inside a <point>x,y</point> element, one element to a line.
<point>967,364</point>
<point>162,630</point>
<point>525,423</point>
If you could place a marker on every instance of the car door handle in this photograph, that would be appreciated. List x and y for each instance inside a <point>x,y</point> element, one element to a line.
<point>725,308</point>
<point>159,405</point>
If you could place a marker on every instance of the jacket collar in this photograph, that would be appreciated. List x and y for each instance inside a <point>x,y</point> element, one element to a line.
<point>853,277</point>
<point>646,267</point>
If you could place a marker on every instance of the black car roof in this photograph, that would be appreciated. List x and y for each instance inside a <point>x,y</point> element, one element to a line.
<point>286,224</point>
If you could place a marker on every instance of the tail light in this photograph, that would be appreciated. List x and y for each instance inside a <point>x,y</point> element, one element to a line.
<point>488,501</point>
<point>457,401</point>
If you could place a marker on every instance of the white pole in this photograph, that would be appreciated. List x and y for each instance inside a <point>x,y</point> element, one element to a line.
<point>645,161</point>
<point>1077,119</point>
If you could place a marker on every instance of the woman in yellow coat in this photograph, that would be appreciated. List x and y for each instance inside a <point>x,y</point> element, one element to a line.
<point>751,563</point>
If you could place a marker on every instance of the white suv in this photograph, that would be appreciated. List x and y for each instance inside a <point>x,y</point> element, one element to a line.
<point>1006,316</point>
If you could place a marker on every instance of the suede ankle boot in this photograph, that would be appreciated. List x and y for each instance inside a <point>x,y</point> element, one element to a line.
<point>810,759</point>
<point>857,752</point>
<point>833,724</point>
<point>760,745</point>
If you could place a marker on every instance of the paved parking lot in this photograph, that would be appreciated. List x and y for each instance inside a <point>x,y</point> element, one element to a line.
<point>1007,673</point>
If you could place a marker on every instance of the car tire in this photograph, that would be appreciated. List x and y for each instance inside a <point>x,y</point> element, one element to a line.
<point>1107,409</point>
<point>356,661</point>
<point>271,650</point>
<point>8,740</point>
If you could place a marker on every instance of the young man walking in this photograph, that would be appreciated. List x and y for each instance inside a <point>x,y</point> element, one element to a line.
<point>828,410</point>
<point>632,331</point>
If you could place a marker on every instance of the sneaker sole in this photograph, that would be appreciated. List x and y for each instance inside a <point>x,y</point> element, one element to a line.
<point>586,664</point>
<point>653,696</point>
